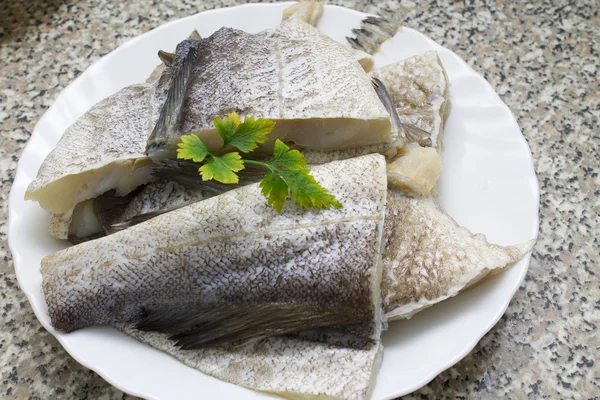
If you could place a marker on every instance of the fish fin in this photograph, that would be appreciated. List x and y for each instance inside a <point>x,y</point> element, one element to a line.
<point>194,36</point>
<point>373,32</point>
<point>185,173</point>
<point>412,133</point>
<point>170,112</point>
<point>197,328</point>
<point>166,58</point>
<point>138,219</point>
<point>418,135</point>
<point>387,102</point>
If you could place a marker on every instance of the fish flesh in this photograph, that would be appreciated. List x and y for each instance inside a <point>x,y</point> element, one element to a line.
<point>309,84</point>
<point>233,252</point>
<point>428,257</point>
<point>418,90</point>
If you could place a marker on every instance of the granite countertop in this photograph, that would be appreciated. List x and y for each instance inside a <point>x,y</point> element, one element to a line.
<point>543,60</point>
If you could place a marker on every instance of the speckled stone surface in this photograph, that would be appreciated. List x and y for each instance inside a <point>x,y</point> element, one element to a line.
<point>542,58</point>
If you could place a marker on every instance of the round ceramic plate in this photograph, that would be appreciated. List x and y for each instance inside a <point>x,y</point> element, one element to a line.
<point>488,185</point>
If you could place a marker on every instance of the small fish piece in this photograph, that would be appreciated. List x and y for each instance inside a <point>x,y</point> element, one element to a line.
<point>415,170</point>
<point>374,31</point>
<point>151,273</point>
<point>428,257</point>
<point>103,150</point>
<point>309,12</point>
<point>418,87</point>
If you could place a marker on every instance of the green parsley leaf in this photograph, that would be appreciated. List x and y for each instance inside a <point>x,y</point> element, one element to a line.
<point>245,136</point>
<point>227,127</point>
<point>251,133</point>
<point>192,148</point>
<point>275,189</point>
<point>222,168</point>
<point>287,176</point>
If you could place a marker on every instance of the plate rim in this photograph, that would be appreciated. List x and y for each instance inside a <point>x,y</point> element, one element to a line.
<point>114,380</point>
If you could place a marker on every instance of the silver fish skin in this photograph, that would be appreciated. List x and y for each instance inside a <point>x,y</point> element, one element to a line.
<point>329,258</point>
<point>428,257</point>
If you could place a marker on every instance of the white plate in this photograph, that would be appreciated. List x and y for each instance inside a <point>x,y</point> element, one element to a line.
<point>488,185</point>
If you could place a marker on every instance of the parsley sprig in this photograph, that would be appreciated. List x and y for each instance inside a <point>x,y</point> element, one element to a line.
<point>287,171</point>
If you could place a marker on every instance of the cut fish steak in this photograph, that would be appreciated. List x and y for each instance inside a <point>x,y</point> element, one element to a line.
<point>170,264</point>
<point>310,85</point>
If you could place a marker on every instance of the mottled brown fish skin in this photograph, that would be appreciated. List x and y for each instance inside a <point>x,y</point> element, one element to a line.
<point>231,249</point>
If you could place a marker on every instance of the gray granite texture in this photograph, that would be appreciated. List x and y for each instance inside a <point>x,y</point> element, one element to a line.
<point>542,58</point>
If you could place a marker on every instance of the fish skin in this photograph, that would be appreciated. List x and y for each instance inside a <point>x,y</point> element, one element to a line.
<point>141,259</point>
<point>416,229</point>
<point>428,257</point>
<point>293,75</point>
<point>419,88</point>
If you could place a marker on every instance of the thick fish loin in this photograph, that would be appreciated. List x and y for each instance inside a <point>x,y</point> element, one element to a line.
<point>232,250</point>
<point>428,257</point>
<point>310,85</point>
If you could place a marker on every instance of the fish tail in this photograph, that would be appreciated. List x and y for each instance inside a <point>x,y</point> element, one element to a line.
<point>373,32</point>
